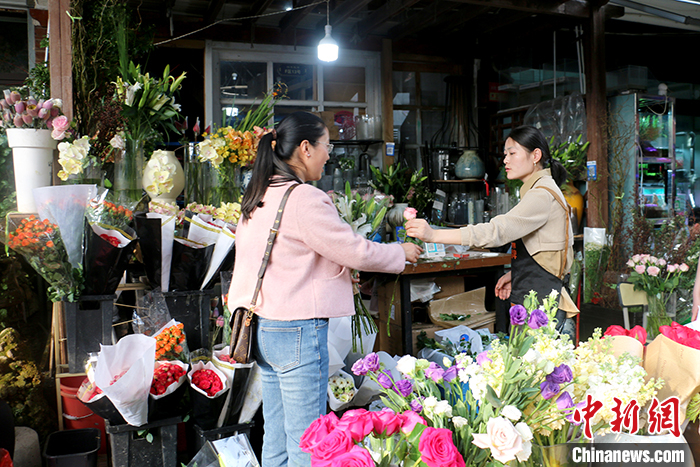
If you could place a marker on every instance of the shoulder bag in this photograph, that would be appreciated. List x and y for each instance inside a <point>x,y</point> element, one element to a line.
<point>243,319</point>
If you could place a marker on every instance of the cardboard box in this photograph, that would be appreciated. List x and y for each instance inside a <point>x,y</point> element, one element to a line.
<point>390,311</point>
<point>468,304</point>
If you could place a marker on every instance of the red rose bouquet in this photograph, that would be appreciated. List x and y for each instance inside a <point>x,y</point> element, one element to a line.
<point>39,242</point>
<point>167,377</point>
<point>361,437</point>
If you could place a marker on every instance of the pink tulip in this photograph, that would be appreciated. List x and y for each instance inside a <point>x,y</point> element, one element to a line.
<point>18,121</point>
<point>48,104</point>
<point>4,104</point>
<point>31,101</point>
<point>14,97</point>
<point>653,271</point>
<point>19,107</point>
<point>7,95</point>
<point>44,114</point>
<point>55,111</point>
<point>27,119</point>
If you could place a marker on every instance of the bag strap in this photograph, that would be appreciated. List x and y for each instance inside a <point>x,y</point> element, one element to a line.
<point>270,240</point>
<point>567,211</point>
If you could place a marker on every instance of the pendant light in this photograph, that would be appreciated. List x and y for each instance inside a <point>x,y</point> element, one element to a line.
<point>328,47</point>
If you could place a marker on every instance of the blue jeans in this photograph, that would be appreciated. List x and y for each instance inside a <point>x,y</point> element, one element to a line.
<point>293,359</point>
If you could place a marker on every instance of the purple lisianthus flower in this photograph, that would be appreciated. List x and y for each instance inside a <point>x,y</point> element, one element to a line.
<point>450,373</point>
<point>372,362</point>
<point>482,358</point>
<point>518,315</point>
<point>549,390</point>
<point>564,401</point>
<point>384,380</point>
<point>560,375</point>
<point>434,372</point>
<point>404,387</point>
<point>416,406</point>
<point>359,367</point>
<point>538,318</point>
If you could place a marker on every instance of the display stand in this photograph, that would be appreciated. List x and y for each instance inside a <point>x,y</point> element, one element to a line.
<point>131,450</point>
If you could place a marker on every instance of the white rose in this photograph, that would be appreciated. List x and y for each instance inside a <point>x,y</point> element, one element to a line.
<point>501,437</point>
<point>511,412</point>
<point>406,365</point>
<point>443,408</point>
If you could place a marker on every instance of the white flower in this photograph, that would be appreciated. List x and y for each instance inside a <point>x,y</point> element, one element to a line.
<point>526,435</point>
<point>511,412</point>
<point>532,356</point>
<point>443,408</point>
<point>117,142</point>
<point>162,172</point>
<point>502,438</point>
<point>131,93</point>
<point>406,365</point>
<point>459,422</point>
<point>429,403</point>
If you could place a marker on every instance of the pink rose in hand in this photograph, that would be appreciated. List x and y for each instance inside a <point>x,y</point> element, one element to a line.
<point>410,213</point>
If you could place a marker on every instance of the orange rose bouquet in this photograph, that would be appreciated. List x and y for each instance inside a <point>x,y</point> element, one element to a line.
<point>171,343</point>
<point>39,242</point>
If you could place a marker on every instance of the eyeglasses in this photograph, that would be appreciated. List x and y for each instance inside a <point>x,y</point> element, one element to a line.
<point>329,146</point>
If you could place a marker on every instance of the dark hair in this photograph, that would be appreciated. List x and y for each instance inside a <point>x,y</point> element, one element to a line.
<point>531,138</point>
<point>274,162</point>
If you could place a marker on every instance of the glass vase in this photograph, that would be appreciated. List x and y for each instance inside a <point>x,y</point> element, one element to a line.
<point>92,174</point>
<point>193,175</point>
<point>220,184</point>
<point>657,313</point>
<point>128,171</point>
<point>555,455</point>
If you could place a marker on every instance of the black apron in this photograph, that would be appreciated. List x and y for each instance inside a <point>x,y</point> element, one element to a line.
<point>527,274</point>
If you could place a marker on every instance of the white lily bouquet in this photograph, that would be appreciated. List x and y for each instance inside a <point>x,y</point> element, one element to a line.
<point>365,214</point>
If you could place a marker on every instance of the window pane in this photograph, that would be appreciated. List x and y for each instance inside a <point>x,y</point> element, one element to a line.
<point>344,84</point>
<point>404,83</point>
<point>282,111</point>
<point>431,122</point>
<point>407,128</point>
<point>432,89</point>
<point>300,80</point>
<point>243,79</point>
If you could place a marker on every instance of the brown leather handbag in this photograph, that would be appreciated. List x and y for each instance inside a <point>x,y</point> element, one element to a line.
<point>242,318</point>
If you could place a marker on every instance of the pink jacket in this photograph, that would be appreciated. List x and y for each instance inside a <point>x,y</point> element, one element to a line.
<point>309,271</point>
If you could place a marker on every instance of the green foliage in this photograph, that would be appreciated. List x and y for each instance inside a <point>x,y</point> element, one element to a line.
<point>405,185</point>
<point>572,156</point>
<point>39,81</point>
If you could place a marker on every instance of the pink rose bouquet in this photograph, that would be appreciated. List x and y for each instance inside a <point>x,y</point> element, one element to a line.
<point>363,438</point>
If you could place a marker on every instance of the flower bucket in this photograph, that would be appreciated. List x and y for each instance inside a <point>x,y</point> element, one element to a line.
<point>32,154</point>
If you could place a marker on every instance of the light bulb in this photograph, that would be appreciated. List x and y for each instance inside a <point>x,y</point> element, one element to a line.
<point>328,47</point>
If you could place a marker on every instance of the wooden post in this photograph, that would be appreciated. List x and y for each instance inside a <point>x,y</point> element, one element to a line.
<point>387,97</point>
<point>60,50</point>
<point>596,113</point>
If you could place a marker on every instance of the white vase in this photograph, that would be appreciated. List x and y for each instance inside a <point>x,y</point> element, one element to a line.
<point>178,180</point>
<point>32,155</point>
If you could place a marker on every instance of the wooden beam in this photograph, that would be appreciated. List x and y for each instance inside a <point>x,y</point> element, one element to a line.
<point>60,50</point>
<point>344,11</point>
<point>455,22</point>
<point>258,8</point>
<point>387,97</point>
<point>382,15</point>
<point>293,18</point>
<point>435,13</point>
<point>576,8</point>
<point>215,7</point>
<point>596,116</point>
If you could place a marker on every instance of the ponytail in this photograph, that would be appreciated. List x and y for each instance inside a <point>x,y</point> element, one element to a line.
<point>275,150</point>
<point>531,138</point>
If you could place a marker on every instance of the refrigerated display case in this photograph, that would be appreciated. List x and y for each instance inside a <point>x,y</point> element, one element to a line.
<point>643,135</point>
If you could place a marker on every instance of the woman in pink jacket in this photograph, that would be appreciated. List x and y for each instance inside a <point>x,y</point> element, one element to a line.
<point>306,282</point>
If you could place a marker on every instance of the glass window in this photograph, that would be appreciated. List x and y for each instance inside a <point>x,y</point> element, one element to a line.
<point>404,85</point>
<point>431,123</point>
<point>242,79</point>
<point>432,89</point>
<point>300,80</point>
<point>344,84</point>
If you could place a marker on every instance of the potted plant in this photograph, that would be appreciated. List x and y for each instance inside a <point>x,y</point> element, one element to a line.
<point>572,155</point>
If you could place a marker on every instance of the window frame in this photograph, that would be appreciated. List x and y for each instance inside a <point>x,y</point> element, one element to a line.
<point>216,52</point>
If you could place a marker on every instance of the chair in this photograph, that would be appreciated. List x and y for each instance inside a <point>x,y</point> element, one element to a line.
<point>630,297</point>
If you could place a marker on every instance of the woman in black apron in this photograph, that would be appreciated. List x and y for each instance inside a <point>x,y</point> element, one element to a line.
<point>537,228</point>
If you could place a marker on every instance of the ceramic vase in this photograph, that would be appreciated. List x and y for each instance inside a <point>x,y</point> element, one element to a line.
<point>178,180</point>
<point>469,166</point>
<point>32,156</point>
